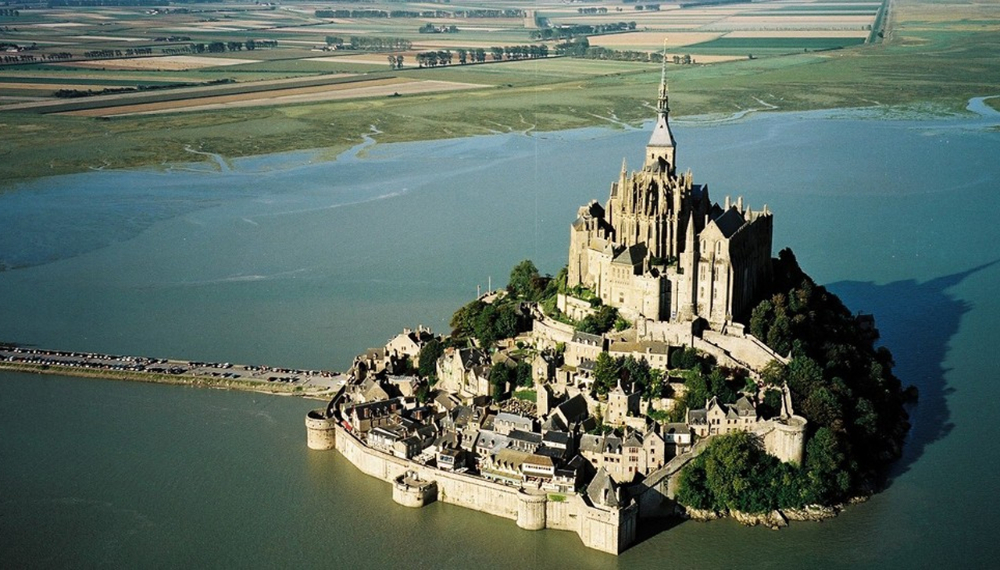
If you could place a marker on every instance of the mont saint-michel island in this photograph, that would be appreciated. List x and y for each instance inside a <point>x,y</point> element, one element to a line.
<point>672,368</point>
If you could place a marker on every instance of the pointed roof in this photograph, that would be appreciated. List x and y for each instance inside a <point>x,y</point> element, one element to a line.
<point>662,137</point>
<point>602,490</point>
<point>730,221</point>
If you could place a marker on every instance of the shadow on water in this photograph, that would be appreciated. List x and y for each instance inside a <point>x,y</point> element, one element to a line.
<point>917,322</point>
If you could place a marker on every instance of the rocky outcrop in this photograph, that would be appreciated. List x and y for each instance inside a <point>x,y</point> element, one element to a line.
<point>702,515</point>
<point>773,520</point>
<point>812,513</point>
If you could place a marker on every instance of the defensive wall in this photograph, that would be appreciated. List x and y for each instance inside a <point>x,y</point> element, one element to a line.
<point>608,530</point>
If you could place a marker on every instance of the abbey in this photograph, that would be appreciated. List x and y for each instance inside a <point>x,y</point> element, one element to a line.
<point>660,250</point>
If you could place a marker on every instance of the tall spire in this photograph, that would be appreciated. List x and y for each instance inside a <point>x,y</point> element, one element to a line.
<point>663,105</point>
<point>662,148</point>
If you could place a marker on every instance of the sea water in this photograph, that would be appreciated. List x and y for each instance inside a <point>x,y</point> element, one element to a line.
<point>293,261</point>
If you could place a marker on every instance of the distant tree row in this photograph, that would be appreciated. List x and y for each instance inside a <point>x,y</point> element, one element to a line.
<point>566,32</point>
<point>648,7</point>
<point>9,12</point>
<point>592,10</point>
<point>430,28</point>
<point>433,58</point>
<point>221,47</point>
<point>27,58</point>
<point>519,52</point>
<point>366,43</point>
<point>106,53</point>
<point>341,13</point>
<point>95,3</point>
<point>395,62</point>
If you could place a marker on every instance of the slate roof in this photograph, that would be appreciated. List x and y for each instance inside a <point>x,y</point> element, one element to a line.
<point>573,409</point>
<point>587,338</point>
<point>491,441</point>
<point>662,136</point>
<point>554,424</point>
<point>633,440</point>
<point>730,221</point>
<point>602,490</point>
<point>697,416</point>
<point>591,443</point>
<point>676,427</point>
<point>559,438</point>
<point>525,436</point>
<point>631,256</point>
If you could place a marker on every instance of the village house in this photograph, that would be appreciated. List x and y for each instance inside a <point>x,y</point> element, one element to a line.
<point>676,438</point>
<point>624,458</point>
<point>465,372</point>
<point>408,344</point>
<point>720,419</point>
<point>363,417</point>
<point>621,405</point>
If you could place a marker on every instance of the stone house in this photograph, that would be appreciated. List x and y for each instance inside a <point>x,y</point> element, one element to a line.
<point>719,419</point>
<point>655,353</point>
<point>621,405</point>
<point>363,417</point>
<point>624,458</point>
<point>676,438</point>
<point>408,344</point>
<point>584,346</point>
<point>464,371</point>
<point>506,422</point>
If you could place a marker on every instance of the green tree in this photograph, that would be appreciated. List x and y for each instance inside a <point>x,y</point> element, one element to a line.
<point>602,321</point>
<point>501,377</point>
<point>522,374</point>
<point>607,371</point>
<point>429,355</point>
<point>524,280</point>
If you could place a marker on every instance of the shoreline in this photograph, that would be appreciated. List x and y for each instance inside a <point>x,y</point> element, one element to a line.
<point>357,148</point>
<point>313,384</point>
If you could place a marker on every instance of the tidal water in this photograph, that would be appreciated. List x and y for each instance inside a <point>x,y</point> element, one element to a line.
<point>294,261</point>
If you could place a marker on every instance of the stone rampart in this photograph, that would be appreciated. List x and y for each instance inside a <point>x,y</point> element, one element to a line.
<point>610,530</point>
<point>550,332</point>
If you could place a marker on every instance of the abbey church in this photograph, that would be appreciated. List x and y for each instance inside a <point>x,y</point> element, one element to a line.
<point>660,250</point>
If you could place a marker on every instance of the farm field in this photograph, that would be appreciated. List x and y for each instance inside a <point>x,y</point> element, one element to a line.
<point>202,76</point>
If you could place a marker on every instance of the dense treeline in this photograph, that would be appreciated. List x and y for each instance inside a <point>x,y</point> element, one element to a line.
<point>581,48</point>
<point>478,55</point>
<point>483,13</point>
<point>372,43</point>
<point>106,53</point>
<point>567,32</point>
<point>839,382</point>
<point>93,3</point>
<point>26,58</point>
<point>430,28</point>
<point>76,93</point>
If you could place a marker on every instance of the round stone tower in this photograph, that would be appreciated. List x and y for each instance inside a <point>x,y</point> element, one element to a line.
<point>320,430</point>
<point>787,441</point>
<point>531,511</point>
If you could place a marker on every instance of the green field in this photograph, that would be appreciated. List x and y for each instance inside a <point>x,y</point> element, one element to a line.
<point>936,55</point>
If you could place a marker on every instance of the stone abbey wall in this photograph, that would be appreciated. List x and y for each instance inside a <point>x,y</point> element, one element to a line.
<point>609,531</point>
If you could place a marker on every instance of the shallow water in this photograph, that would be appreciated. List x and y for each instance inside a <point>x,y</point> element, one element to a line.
<point>292,261</point>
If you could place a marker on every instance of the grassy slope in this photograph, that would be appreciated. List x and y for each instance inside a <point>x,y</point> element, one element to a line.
<point>938,54</point>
